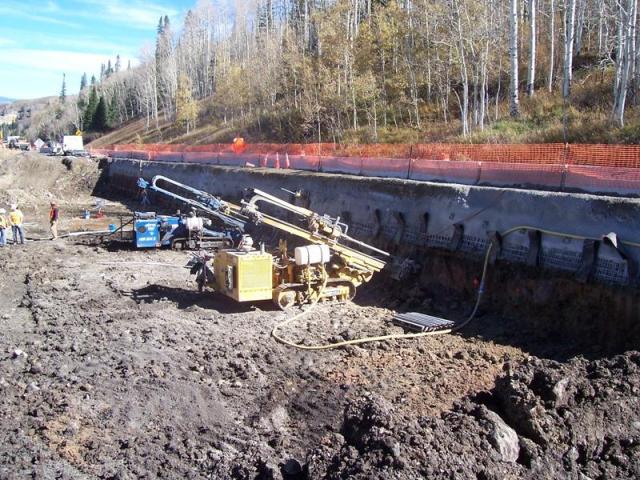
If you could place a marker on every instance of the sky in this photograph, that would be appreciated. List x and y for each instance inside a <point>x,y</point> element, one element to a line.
<point>42,39</point>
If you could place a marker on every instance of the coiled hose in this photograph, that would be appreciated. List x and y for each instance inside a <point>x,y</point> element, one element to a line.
<point>396,336</point>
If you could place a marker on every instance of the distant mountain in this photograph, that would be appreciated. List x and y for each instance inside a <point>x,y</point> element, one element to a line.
<point>4,100</point>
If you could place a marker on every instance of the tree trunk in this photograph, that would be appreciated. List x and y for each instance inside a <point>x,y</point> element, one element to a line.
<point>552,44</point>
<point>626,50</point>
<point>569,29</point>
<point>532,48</point>
<point>514,105</point>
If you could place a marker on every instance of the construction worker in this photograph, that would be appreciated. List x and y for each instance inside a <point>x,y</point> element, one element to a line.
<point>4,224</point>
<point>144,198</point>
<point>54,215</point>
<point>16,218</point>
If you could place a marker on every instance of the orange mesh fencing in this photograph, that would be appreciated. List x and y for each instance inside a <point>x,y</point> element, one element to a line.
<point>550,154</point>
<point>627,156</point>
<point>596,168</point>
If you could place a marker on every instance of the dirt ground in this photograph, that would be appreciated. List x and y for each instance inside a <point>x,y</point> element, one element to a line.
<point>113,366</point>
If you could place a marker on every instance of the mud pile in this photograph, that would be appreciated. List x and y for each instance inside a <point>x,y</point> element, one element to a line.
<point>543,419</point>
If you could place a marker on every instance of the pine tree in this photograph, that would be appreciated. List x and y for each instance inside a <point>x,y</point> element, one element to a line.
<point>93,80</point>
<point>90,111</point>
<point>118,64</point>
<point>63,89</point>
<point>83,81</point>
<point>82,105</point>
<point>100,122</point>
<point>109,70</point>
<point>112,113</point>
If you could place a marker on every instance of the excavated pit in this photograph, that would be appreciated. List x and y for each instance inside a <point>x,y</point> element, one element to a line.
<point>113,366</point>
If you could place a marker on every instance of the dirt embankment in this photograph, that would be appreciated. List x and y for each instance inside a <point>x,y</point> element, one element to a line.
<point>32,181</point>
<point>112,365</point>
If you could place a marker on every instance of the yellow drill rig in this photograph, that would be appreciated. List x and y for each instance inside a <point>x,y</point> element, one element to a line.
<point>329,267</point>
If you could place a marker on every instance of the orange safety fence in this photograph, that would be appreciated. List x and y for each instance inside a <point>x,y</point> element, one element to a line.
<point>550,153</point>
<point>600,168</point>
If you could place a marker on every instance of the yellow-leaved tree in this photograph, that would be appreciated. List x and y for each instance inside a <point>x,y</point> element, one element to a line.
<point>186,106</point>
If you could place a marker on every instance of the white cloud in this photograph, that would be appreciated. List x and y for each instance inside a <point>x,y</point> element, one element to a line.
<point>136,14</point>
<point>61,61</point>
<point>52,7</point>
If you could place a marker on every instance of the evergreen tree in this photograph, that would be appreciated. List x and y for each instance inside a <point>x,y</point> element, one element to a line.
<point>63,89</point>
<point>90,111</point>
<point>117,65</point>
<point>109,70</point>
<point>112,112</point>
<point>100,122</point>
<point>82,106</point>
<point>93,80</point>
<point>83,81</point>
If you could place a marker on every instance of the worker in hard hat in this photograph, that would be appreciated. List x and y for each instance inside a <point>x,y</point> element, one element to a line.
<point>54,215</point>
<point>16,219</point>
<point>4,224</point>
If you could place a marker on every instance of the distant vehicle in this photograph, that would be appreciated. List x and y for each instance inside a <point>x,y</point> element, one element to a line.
<point>52,148</point>
<point>71,144</point>
<point>13,141</point>
<point>17,143</point>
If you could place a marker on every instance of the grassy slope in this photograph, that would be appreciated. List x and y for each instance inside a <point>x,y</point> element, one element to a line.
<point>541,121</point>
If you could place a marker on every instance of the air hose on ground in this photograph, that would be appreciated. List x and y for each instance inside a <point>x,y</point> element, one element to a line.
<point>398,336</point>
<point>69,234</point>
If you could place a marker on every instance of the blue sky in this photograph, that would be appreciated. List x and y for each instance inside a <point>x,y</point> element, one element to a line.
<point>42,39</point>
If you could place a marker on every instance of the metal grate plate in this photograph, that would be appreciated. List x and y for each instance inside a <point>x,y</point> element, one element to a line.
<point>422,322</point>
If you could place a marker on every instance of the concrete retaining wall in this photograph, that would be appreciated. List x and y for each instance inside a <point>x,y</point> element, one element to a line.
<point>406,216</point>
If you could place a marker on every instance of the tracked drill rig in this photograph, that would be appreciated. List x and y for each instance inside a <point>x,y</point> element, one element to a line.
<point>189,232</point>
<point>330,266</point>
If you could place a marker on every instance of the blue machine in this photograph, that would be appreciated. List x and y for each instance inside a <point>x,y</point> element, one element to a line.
<point>186,232</point>
<point>153,231</point>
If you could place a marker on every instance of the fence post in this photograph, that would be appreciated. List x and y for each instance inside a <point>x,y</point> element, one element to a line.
<point>479,173</point>
<point>563,178</point>
<point>410,167</point>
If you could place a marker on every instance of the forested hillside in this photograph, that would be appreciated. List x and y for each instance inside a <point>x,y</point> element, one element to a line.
<point>373,70</point>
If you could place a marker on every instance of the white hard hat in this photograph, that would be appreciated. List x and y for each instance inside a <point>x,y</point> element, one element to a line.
<point>2,210</point>
<point>14,206</point>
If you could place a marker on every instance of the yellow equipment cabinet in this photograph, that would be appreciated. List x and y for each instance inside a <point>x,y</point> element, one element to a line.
<point>244,276</point>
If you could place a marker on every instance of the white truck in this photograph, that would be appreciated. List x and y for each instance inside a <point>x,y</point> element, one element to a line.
<point>73,145</point>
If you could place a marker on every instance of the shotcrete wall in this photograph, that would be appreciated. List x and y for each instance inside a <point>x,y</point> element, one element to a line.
<point>399,214</point>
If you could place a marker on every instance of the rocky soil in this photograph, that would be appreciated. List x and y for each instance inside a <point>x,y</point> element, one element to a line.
<point>113,366</point>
